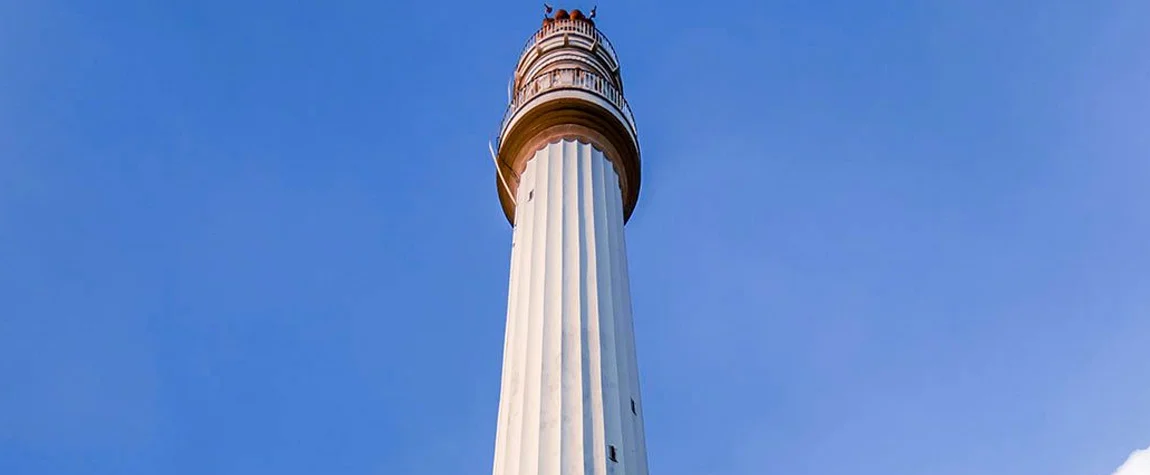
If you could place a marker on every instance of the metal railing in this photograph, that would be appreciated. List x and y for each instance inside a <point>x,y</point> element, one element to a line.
<point>582,27</point>
<point>568,78</point>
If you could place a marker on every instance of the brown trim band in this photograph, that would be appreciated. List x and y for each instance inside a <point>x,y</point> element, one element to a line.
<point>569,118</point>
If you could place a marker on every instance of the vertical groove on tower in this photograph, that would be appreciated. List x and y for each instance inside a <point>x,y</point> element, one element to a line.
<point>502,436</point>
<point>622,326</point>
<point>523,326</point>
<point>587,422</point>
<point>606,313</point>
<point>595,454</point>
<point>552,311</point>
<point>529,451</point>
<point>506,437</point>
<point>640,437</point>
<point>572,421</point>
<point>623,340</point>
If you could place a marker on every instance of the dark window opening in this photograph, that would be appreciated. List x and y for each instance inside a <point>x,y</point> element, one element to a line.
<point>633,410</point>
<point>611,453</point>
<point>530,195</point>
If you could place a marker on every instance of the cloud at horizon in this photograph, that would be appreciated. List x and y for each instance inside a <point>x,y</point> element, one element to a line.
<point>1137,464</point>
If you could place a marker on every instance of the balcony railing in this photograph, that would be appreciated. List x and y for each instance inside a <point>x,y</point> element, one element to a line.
<point>582,27</point>
<point>568,78</point>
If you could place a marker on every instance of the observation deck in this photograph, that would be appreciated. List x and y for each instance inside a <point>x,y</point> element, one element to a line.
<point>567,85</point>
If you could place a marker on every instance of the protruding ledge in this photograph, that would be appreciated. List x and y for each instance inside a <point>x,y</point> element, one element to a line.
<point>569,118</point>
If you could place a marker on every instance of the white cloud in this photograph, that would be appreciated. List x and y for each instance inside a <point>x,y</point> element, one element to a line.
<point>1137,464</point>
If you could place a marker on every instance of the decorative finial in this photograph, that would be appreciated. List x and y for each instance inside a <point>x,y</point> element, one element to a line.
<point>592,15</point>
<point>547,8</point>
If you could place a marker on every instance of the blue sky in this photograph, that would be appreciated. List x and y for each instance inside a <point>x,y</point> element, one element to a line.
<point>874,237</point>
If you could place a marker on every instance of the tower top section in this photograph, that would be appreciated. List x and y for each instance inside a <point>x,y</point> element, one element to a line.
<point>567,85</point>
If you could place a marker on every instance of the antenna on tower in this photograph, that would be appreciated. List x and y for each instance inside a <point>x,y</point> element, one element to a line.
<point>592,15</point>
<point>546,8</point>
<point>498,172</point>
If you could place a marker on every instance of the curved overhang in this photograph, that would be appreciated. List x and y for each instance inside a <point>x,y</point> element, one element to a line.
<point>574,114</point>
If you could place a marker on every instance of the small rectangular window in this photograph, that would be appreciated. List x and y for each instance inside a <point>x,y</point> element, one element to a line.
<point>633,410</point>
<point>611,453</point>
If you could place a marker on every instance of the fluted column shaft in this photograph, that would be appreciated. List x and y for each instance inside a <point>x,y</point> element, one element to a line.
<point>569,402</point>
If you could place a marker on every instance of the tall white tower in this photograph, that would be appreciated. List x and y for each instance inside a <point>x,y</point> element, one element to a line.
<point>568,178</point>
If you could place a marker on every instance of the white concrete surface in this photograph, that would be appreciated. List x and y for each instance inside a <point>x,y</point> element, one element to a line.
<point>569,368</point>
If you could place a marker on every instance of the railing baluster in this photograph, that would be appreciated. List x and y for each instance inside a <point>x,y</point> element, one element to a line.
<point>570,77</point>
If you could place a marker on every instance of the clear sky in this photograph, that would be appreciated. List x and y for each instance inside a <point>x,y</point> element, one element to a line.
<point>878,237</point>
